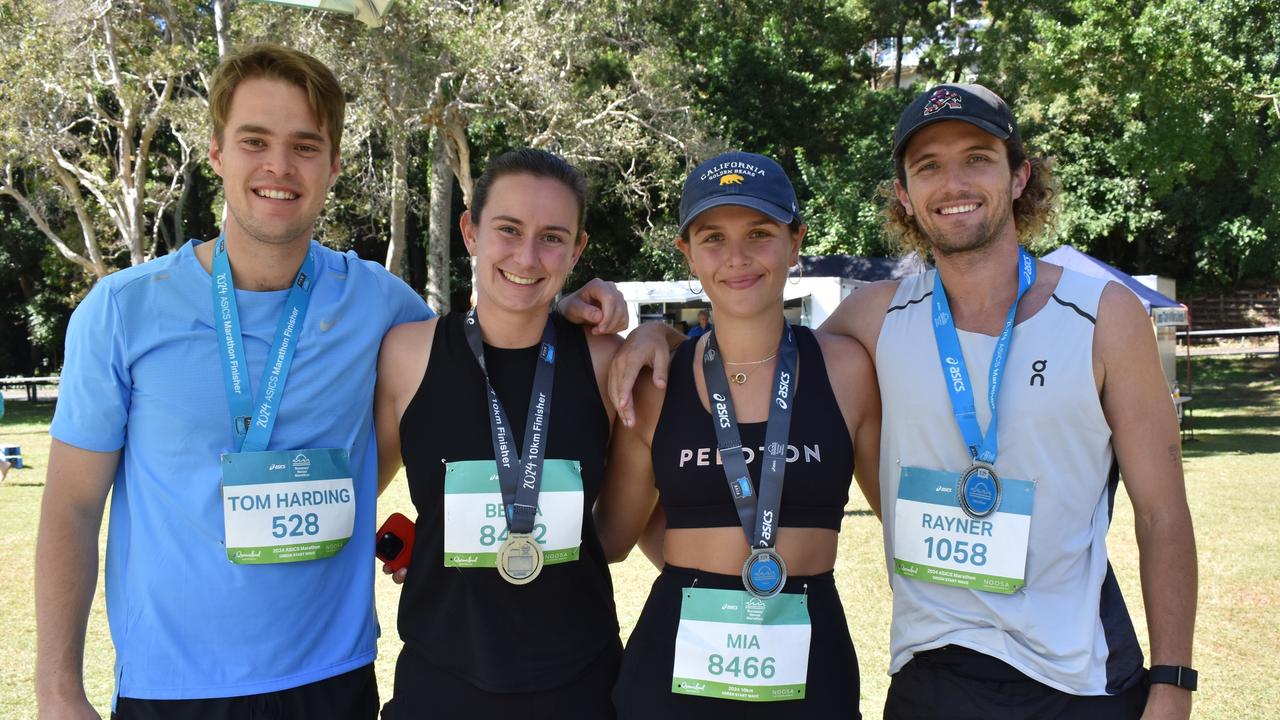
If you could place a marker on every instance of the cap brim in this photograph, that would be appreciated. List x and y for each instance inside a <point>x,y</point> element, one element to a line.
<point>988,127</point>
<point>777,212</point>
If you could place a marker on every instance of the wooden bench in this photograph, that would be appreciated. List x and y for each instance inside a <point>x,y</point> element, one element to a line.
<point>1189,336</point>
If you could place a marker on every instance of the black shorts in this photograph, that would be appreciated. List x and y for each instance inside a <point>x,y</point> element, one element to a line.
<point>350,696</point>
<point>644,685</point>
<point>424,690</point>
<point>956,683</point>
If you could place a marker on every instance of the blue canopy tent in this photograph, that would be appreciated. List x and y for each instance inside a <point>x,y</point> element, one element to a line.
<point>1071,258</point>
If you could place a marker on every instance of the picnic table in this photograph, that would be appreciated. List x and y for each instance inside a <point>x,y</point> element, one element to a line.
<point>31,384</point>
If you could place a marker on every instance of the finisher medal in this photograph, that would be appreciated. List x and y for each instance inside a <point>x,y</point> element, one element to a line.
<point>979,490</point>
<point>519,559</point>
<point>520,477</point>
<point>764,573</point>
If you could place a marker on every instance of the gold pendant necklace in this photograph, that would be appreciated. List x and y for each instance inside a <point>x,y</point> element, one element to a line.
<point>740,378</point>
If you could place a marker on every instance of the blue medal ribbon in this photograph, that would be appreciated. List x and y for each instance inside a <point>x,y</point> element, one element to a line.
<point>253,418</point>
<point>956,374</point>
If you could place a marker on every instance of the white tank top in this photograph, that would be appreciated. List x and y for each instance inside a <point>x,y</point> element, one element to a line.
<point>1068,627</point>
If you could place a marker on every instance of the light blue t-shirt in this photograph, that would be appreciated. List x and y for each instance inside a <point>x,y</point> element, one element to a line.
<point>142,375</point>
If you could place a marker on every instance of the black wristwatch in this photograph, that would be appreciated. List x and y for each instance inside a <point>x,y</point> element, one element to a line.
<point>1183,677</point>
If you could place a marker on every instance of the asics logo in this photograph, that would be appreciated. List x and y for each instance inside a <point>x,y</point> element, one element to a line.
<point>953,372</point>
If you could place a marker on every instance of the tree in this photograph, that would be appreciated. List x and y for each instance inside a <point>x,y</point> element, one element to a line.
<point>1160,115</point>
<point>80,111</point>
<point>591,81</point>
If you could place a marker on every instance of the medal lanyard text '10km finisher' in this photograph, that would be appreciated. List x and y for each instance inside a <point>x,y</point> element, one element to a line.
<point>764,573</point>
<point>979,489</point>
<point>254,420</point>
<point>520,557</point>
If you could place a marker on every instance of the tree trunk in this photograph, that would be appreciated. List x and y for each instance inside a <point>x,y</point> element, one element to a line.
<point>399,200</point>
<point>897,52</point>
<point>221,27</point>
<point>180,207</point>
<point>440,224</point>
<point>28,286</point>
<point>458,150</point>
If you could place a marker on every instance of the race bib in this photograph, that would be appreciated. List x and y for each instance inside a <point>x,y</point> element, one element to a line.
<point>934,540</point>
<point>286,506</point>
<point>475,524</point>
<point>733,646</point>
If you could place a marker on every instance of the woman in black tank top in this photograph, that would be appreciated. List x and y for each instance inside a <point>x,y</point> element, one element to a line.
<point>744,620</point>
<point>507,607</point>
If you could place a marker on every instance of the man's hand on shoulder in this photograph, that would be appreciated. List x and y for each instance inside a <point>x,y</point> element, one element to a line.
<point>598,305</point>
<point>649,346</point>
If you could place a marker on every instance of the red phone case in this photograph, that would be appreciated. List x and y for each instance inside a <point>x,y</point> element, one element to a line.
<point>401,528</point>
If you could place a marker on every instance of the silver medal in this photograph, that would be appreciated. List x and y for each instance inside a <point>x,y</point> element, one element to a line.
<point>979,490</point>
<point>764,573</point>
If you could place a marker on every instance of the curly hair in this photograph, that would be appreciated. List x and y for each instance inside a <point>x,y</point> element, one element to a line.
<point>1033,211</point>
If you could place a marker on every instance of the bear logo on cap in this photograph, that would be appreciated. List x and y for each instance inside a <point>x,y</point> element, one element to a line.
<point>731,179</point>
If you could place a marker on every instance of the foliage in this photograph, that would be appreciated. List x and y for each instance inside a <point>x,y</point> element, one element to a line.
<point>1163,117</point>
<point>89,89</point>
<point>592,81</point>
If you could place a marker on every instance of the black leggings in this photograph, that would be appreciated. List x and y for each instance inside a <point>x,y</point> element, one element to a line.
<point>644,685</point>
<point>423,690</point>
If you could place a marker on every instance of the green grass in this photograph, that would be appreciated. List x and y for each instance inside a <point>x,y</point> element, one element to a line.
<point>1233,482</point>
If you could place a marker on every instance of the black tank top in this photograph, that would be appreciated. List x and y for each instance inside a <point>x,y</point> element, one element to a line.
<point>501,637</point>
<point>686,465</point>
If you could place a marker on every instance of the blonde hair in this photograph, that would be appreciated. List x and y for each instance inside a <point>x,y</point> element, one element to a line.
<point>276,62</point>
<point>1033,211</point>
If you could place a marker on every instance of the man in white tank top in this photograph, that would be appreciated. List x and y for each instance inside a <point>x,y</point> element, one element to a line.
<point>995,533</point>
<point>1004,602</point>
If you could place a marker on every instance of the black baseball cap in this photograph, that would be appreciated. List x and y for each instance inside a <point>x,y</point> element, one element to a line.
<point>739,178</point>
<point>973,104</point>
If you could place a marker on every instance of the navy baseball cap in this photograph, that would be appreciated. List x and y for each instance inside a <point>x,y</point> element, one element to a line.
<point>739,178</point>
<point>973,104</point>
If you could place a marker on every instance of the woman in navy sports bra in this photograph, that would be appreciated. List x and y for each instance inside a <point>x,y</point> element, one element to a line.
<point>749,451</point>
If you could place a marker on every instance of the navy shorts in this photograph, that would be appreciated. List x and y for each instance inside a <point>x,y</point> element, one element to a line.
<point>644,685</point>
<point>350,696</point>
<point>956,683</point>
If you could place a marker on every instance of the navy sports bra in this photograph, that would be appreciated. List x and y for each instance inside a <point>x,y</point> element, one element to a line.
<point>691,482</point>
